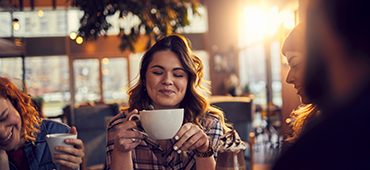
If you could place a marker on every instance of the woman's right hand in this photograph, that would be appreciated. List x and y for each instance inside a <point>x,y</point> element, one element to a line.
<point>126,137</point>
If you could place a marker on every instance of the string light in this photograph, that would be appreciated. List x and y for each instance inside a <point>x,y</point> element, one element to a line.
<point>79,40</point>
<point>16,25</point>
<point>73,35</point>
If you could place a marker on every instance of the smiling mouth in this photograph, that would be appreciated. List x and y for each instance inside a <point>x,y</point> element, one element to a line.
<point>7,138</point>
<point>166,91</point>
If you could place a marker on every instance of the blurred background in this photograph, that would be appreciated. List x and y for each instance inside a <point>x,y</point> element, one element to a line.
<point>45,44</point>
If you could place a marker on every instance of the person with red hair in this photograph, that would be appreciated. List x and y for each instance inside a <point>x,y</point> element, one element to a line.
<point>23,132</point>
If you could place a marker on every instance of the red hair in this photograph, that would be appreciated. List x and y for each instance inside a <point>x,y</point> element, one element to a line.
<point>22,103</point>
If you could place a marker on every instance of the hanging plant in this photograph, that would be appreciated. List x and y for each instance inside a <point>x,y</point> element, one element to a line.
<point>156,18</point>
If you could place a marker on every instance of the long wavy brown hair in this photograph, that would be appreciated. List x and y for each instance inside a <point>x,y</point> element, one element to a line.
<point>194,103</point>
<point>22,103</point>
<point>304,116</point>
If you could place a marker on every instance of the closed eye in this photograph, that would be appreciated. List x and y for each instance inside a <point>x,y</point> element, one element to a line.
<point>2,118</point>
<point>178,75</point>
<point>157,73</point>
<point>295,66</point>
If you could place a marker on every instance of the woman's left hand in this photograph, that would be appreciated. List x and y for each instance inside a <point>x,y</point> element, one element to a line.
<point>73,157</point>
<point>191,137</point>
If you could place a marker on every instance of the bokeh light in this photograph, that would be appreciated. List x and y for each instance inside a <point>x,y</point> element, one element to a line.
<point>79,40</point>
<point>16,25</point>
<point>105,61</point>
<point>40,13</point>
<point>73,35</point>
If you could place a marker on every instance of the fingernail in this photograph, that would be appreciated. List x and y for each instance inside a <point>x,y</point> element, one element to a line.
<point>176,137</point>
<point>57,148</point>
<point>67,140</point>
<point>179,151</point>
<point>175,148</point>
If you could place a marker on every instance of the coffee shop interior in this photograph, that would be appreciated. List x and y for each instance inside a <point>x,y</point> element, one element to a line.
<point>80,74</point>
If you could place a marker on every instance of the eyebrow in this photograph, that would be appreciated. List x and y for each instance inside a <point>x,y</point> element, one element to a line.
<point>157,66</point>
<point>161,67</point>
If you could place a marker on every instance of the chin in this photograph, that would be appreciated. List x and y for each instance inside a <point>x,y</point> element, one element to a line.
<point>12,146</point>
<point>305,100</point>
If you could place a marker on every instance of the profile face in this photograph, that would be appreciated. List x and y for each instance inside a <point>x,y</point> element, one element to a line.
<point>10,125</point>
<point>166,80</point>
<point>296,74</point>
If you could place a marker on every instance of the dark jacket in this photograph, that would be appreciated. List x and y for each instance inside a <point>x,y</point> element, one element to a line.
<point>38,154</point>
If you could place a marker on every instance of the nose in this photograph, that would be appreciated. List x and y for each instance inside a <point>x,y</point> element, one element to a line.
<point>290,78</point>
<point>167,79</point>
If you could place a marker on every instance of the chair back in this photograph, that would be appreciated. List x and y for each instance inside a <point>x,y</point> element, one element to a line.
<point>91,125</point>
<point>238,111</point>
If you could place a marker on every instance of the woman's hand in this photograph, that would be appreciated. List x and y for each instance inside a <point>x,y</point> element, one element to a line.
<point>4,164</point>
<point>126,137</point>
<point>73,157</point>
<point>191,137</point>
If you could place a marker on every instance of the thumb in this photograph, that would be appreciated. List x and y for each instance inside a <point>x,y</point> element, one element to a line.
<point>73,130</point>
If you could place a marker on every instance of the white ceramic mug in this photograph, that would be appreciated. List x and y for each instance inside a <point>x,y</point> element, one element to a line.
<point>161,124</point>
<point>57,139</point>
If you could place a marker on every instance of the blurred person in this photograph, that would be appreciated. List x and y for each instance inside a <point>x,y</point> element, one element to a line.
<point>232,86</point>
<point>23,135</point>
<point>337,79</point>
<point>304,115</point>
<point>169,77</point>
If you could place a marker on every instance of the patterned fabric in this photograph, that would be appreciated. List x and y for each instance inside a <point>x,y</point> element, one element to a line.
<point>148,153</point>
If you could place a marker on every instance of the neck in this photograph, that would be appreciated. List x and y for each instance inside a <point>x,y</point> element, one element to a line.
<point>21,143</point>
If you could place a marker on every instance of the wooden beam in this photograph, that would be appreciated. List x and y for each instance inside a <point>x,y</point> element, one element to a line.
<point>54,4</point>
<point>32,5</point>
<point>21,5</point>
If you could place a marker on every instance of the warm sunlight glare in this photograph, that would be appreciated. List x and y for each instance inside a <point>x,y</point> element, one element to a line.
<point>287,18</point>
<point>255,21</point>
<point>258,22</point>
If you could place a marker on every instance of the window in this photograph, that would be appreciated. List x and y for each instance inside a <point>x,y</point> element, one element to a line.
<point>48,78</point>
<point>115,80</point>
<point>252,70</point>
<point>86,73</point>
<point>54,23</point>
<point>11,67</point>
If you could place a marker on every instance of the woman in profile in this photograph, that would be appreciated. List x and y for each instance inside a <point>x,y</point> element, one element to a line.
<point>302,118</point>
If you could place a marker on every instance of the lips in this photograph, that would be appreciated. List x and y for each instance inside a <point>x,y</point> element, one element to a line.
<point>165,91</point>
<point>299,89</point>
<point>7,139</point>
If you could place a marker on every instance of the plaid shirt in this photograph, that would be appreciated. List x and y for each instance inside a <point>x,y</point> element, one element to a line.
<point>146,155</point>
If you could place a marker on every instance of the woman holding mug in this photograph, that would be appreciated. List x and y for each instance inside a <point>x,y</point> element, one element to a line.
<point>169,77</point>
<point>23,132</point>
